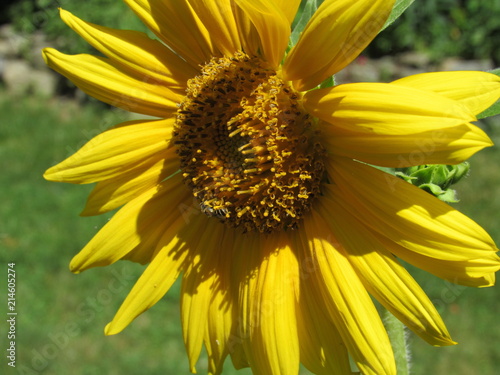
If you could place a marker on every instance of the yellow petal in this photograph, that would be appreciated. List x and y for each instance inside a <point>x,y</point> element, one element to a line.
<point>289,8</point>
<point>221,312</point>
<point>396,126</point>
<point>170,260</point>
<point>410,216</point>
<point>133,50</point>
<point>114,192</point>
<point>218,18</point>
<point>335,35</point>
<point>381,274</point>
<point>99,78</point>
<point>197,282</point>
<point>243,269</point>
<point>176,24</point>
<point>322,350</point>
<point>110,153</point>
<point>249,37</point>
<point>471,272</point>
<point>185,207</point>
<point>240,262</point>
<point>271,24</point>
<point>475,90</point>
<point>219,325</point>
<point>268,298</point>
<point>139,223</point>
<point>449,146</point>
<point>347,301</point>
<point>378,108</point>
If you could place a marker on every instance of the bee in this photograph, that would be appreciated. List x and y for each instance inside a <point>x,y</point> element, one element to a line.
<point>220,213</point>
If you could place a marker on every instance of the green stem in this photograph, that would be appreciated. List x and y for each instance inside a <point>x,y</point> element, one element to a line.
<point>397,335</point>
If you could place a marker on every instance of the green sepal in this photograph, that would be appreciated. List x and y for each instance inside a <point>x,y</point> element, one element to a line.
<point>329,82</point>
<point>436,179</point>
<point>495,108</point>
<point>405,177</point>
<point>399,7</point>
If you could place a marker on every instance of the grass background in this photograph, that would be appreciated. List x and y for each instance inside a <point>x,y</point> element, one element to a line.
<point>61,316</point>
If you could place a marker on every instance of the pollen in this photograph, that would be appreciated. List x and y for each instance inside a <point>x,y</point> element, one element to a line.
<point>248,150</point>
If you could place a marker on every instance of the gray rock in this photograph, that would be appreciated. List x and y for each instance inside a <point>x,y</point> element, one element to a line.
<point>417,60</point>
<point>20,78</point>
<point>360,70</point>
<point>387,69</point>
<point>16,76</point>
<point>38,42</point>
<point>11,43</point>
<point>44,83</point>
<point>2,66</point>
<point>454,63</point>
<point>5,49</point>
<point>405,71</point>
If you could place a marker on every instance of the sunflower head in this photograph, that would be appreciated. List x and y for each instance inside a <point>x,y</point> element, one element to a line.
<point>246,135</point>
<point>247,148</point>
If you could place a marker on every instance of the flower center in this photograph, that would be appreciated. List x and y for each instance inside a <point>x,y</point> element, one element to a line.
<point>246,146</point>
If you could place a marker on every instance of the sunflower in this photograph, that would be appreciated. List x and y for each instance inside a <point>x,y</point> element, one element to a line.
<point>257,187</point>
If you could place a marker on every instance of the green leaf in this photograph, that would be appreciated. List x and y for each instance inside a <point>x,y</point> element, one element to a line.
<point>398,9</point>
<point>495,108</point>
<point>308,10</point>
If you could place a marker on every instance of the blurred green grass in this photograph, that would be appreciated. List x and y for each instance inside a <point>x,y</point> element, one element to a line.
<point>62,316</point>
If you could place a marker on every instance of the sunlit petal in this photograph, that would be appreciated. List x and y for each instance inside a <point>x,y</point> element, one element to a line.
<point>289,8</point>
<point>131,225</point>
<point>413,218</point>
<point>109,154</point>
<point>156,280</point>
<point>335,36</point>
<point>176,24</point>
<point>135,51</point>
<point>271,24</point>
<point>348,302</point>
<point>395,126</point>
<point>382,275</point>
<point>99,78</point>
<point>476,90</point>
<point>114,192</point>
<point>218,18</point>
<point>269,295</point>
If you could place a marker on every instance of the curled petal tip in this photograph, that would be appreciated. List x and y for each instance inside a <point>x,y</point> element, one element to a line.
<point>74,267</point>
<point>108,331</point>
